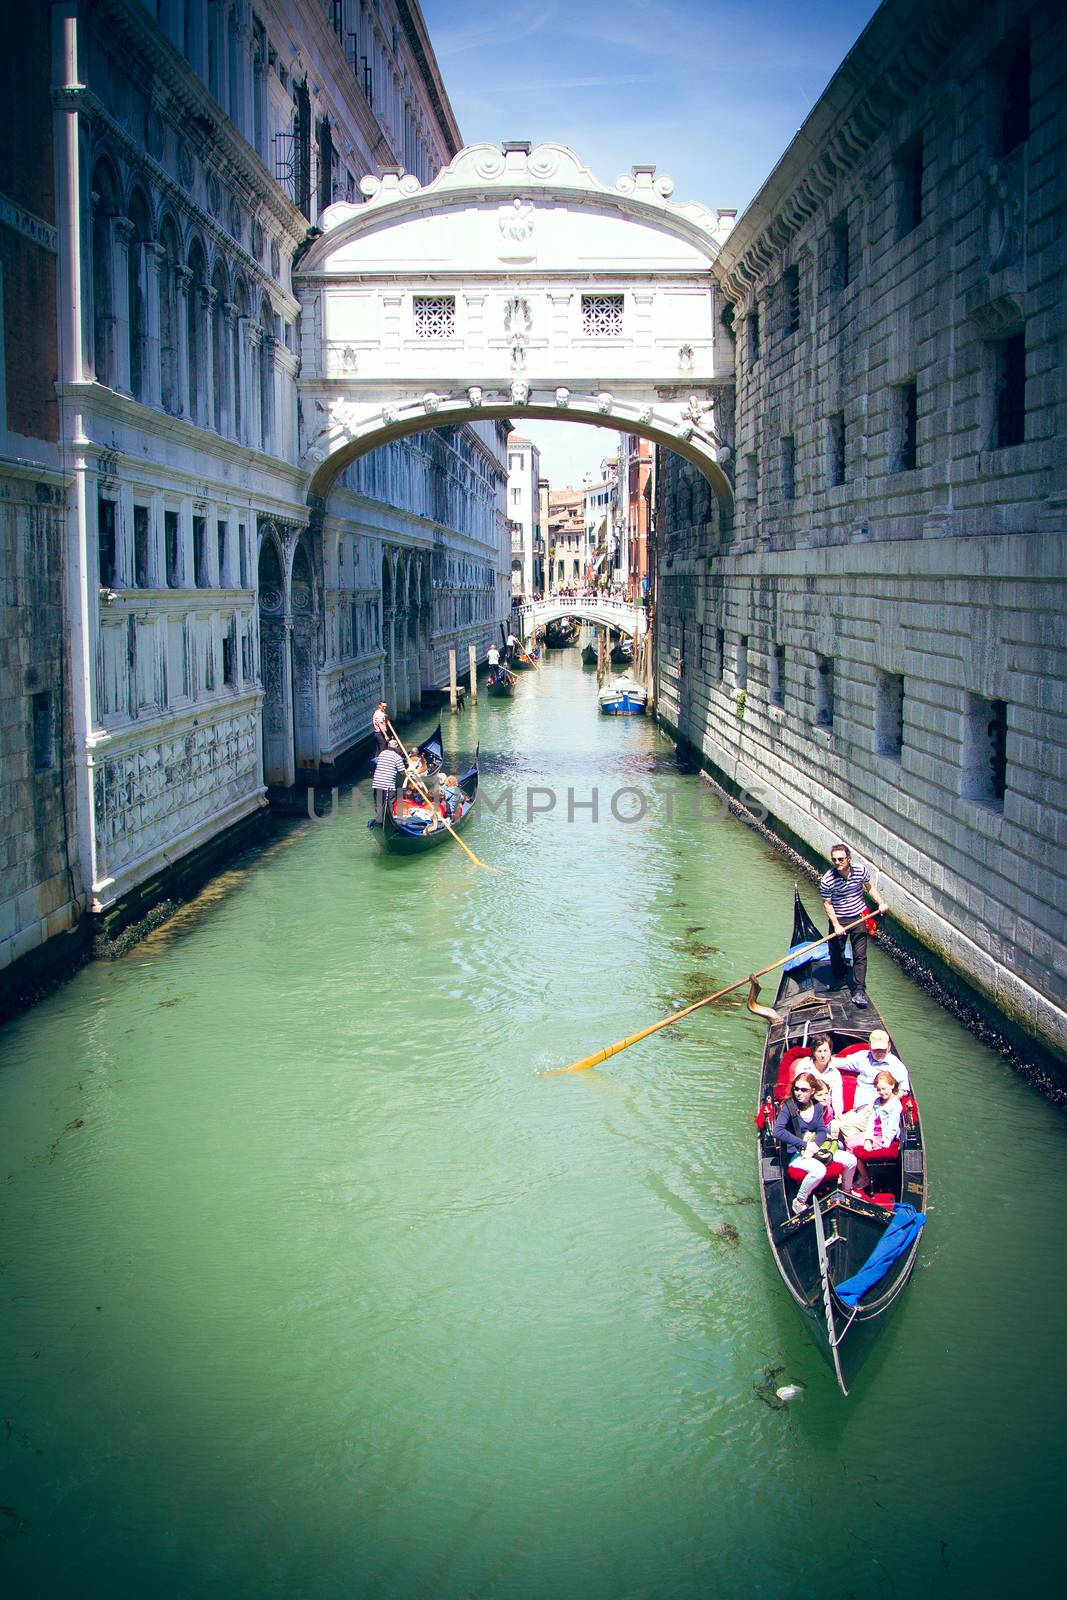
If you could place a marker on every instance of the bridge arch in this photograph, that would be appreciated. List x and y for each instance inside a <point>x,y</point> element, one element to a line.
<point>515,285</point>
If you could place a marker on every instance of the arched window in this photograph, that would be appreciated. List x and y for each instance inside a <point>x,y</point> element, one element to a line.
<point>238,336</point>
<point>170,385</point>
<point>266,376</point>
<point>196,352</point>
<point>105,208</point>
<point>140,234</point>
<point>219,400</point>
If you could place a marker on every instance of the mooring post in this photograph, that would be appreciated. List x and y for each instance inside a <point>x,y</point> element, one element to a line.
<point>472,663</point>
<point>453,697</point>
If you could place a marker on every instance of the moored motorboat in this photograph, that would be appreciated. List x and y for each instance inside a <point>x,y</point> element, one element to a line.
<point>845,1259</point>
<point>500,682</point>
<point>412,826</point>
<point>623,698</point>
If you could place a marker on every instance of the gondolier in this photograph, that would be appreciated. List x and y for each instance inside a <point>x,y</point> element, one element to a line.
<point>844,890</point>
<point>388,765</point>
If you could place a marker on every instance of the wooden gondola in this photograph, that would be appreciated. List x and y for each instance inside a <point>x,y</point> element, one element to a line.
<point>589,655</point>
<point>833,1238</point>
<point>561,633</point>
<point>524,660</point>
<point>408,832</point>
<point>500,682</point>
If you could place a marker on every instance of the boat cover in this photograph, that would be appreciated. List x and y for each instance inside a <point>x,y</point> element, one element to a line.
<point>901,1234</point>
<point>819,955</point>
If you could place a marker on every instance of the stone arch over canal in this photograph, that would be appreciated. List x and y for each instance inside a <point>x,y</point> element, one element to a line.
<point>516,285</point>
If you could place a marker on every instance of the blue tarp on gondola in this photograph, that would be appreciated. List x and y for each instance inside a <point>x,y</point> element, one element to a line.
<point>819,954</point>
<point>901,1234</point>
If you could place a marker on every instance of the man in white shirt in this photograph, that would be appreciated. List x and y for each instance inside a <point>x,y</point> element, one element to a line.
<point>879,1058</point>
<point>492,655</point>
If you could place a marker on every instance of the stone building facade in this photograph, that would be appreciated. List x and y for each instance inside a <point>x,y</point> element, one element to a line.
<point>227,632</point>
<point>875,643</point>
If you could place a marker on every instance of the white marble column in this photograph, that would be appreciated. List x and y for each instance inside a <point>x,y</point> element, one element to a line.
<point>152,376</point>
<point>121,240</point>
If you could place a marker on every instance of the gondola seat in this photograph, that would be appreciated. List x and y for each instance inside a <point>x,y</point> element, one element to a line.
<point>787,1069</point>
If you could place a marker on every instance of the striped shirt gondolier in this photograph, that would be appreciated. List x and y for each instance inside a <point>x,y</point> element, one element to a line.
<point>846,894</point>
<point>386,767</point>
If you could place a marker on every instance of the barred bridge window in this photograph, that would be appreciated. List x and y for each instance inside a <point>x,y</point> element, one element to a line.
<point>602,316</point>
<point>434,316</point>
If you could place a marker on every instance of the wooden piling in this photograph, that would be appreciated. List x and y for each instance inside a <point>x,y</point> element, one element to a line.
<point>472,663</point>
<point>453,697</point>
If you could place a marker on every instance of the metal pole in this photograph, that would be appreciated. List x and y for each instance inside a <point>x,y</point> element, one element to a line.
<point>453,697</point>
<point>472,663</point>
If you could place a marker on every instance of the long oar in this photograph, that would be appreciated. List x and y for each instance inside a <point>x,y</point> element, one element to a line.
<point>429,802</point>
<point>676,1016</point>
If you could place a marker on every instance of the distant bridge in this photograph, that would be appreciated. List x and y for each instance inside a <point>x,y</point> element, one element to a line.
<point>621,615</point>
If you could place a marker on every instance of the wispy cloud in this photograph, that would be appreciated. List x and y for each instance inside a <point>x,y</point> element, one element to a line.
<point>550,85</point>
<point>505,31</point>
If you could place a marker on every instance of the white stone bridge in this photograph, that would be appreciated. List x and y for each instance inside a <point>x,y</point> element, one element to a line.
<point>599,609</point>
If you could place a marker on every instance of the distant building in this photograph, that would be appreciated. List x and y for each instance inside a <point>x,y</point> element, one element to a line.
<point>635,500</point>
<point>600,529</point>
<point>524,515</point>
<point>567,538</point>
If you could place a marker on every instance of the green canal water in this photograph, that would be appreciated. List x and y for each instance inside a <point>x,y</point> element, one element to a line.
<point>312,1284</point>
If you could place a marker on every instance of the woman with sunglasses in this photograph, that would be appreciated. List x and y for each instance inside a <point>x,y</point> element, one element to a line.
<point>801,1127</point>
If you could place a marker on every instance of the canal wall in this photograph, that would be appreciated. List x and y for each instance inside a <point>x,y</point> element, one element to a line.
<point>874,641</point>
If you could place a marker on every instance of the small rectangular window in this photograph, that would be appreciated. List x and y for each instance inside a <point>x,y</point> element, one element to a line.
<point>751,475</point>
<point>908,167</point>
<point>44,732</point>
<point>514,463</point>
<point>140,547</point>
<point>229,657</point>
<point>889,714</point>
<point>107,554</point>
<point>172,542</point>
<point>753,337</point>
<point>242,550</point>
<point>789,467</point>
<point>602,316</point>
<point>905,427</point>
<point>220,542</point>
<point>720,653</point>
<point>354,620</point>
<point>791,300</point>
<point>1014,119</point>
<point>434,316</point>
<point>840,254</point>
<point>778,675</point>
<point>742,661</point>
<point>1009,379</point>
<point>985,749</point>
<point>824,691</point>
<point>200,552</point>
<point>835,448</point>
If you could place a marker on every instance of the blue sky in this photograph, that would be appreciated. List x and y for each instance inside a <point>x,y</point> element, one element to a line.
<point>711,92</point>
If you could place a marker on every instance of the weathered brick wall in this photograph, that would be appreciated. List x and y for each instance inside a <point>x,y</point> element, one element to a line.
<point>35,885</point>
<point>950,574</point>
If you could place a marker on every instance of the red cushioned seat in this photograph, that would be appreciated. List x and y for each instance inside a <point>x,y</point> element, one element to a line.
<point>787,1068</point>
<point>853,1049</point>
<point>833,1172</point>
<point>889,1152</point>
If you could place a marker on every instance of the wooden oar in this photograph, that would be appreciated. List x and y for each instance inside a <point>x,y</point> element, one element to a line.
<point>430,803</point>
<point>676,1016</point>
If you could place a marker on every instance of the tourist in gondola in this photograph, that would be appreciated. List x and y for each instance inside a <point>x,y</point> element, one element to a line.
<point>877,1058</point>
<point>875,1126</point>
<point>380,724</point>
<point>388,766</point>
<point>803,1128</point>
<point>844,889</point>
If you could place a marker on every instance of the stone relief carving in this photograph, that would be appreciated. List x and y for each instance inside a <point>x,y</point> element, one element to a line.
<point>390,414</point>
<point>431,401</point>
<point>518,318</point>
<point>685,358</point>
<point>516,221</point>
<point>563,398</point>
<point>474,395</point>
<point>214,194</point>
<point>1003,233</point>
<point>520,392</point>
<point>186,168</point>
<point>604,401</point>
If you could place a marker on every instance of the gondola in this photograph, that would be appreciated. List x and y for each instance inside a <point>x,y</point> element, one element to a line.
<point>820,1253</point>
<point>524,660</point>
<point>500,682</point>
<point>623,653</point>
<point>562,633</point>
<point>589,655</point>
<point>407,833</point>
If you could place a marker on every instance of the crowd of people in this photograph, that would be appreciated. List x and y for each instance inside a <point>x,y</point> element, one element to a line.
<point>813,1126</point>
